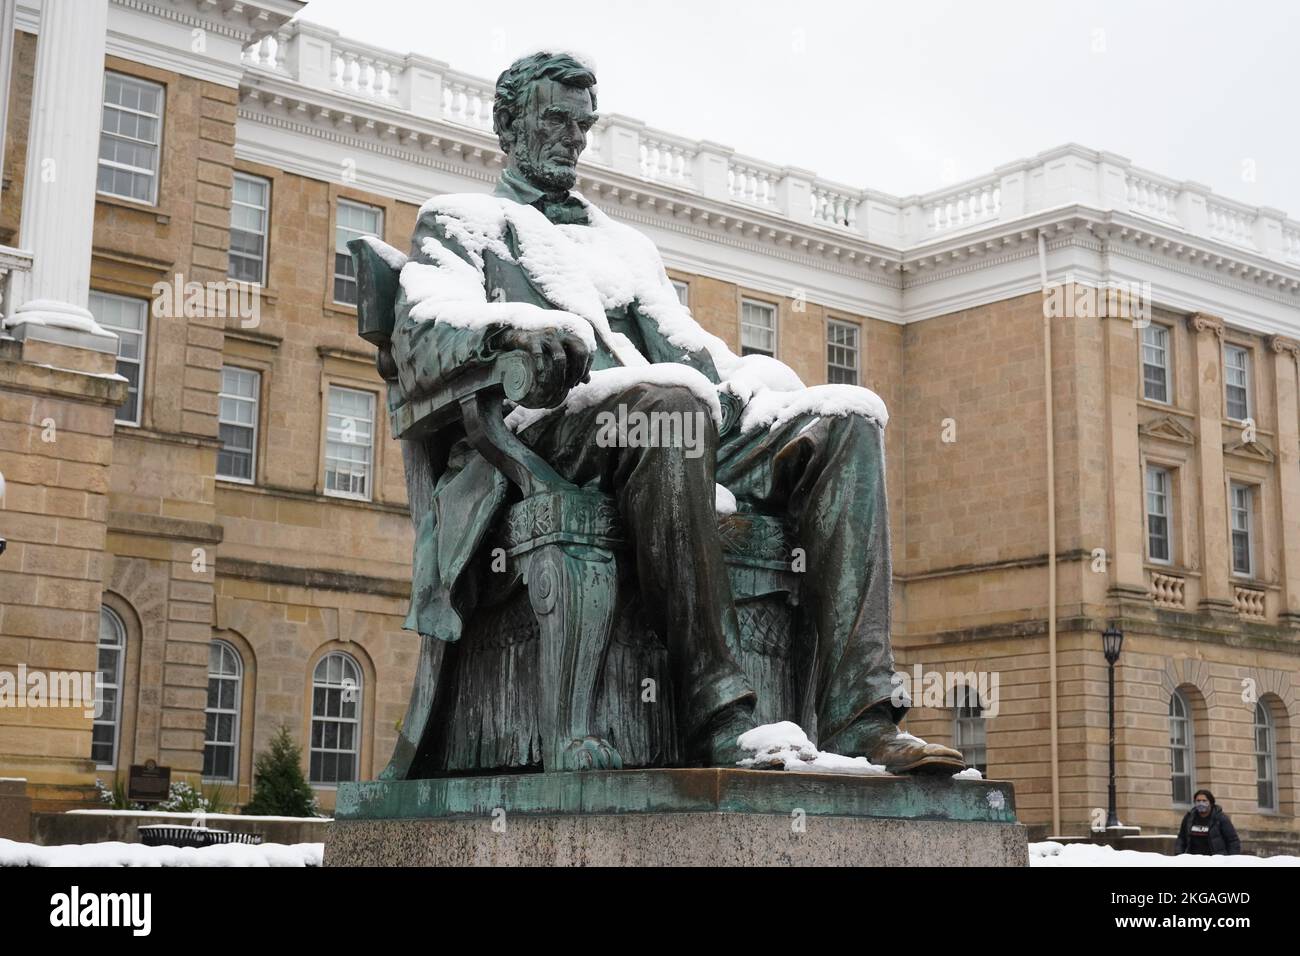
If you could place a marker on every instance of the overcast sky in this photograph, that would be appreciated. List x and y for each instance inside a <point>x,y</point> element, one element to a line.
<point>908,96</point>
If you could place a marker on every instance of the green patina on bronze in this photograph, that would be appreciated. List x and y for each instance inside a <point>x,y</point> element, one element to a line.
<point>702,790</point>
<point>616,568</point>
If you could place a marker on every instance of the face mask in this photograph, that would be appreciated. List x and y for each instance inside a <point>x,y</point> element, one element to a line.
<point>1202,806</point>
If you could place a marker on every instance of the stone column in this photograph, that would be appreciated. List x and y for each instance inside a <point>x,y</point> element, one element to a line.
<point>1285,354</point>
<point>6,64</point>
<point>1207,349</point>
<point>58,214</point>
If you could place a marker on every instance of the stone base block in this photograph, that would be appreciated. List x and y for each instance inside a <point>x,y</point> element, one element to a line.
<point>675,839</point>
<point>698,817</point>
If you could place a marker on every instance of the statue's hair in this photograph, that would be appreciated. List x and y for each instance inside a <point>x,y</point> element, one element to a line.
<point>514,84</point>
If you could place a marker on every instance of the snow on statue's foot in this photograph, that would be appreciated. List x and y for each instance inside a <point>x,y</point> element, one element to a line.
<point>784,746</point>
<point>590,753</point>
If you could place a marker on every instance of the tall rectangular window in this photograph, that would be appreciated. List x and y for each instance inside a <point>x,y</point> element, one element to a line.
<point>353,220</point>
<point>1236,377</point>
<point>130,138</point>
<point>1155,363</point>
<point>683,292</point>
<point>1242,518</point>
<point>237,421</point>
<point>757,328</point>
<point>841,353</point>
<point>127,318</point>
<point>1159,501</point>
<point>349,443</point>
<point>250,213</point>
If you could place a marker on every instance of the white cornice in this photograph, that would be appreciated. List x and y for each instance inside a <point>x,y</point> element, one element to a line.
<point>200,38</point>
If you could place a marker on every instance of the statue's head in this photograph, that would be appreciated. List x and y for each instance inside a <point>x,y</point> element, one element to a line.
<point>545,104</point>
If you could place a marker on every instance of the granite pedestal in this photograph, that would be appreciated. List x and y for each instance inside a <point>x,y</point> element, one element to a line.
<point>695,817</point>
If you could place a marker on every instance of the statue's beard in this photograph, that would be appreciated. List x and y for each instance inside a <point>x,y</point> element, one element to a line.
<point>549,177</point>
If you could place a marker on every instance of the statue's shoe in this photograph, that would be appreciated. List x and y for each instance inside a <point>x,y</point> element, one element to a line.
<point>721,742</point>
<point>877,738</point>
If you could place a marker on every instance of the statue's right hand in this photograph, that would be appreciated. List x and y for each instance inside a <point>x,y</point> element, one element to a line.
<point>560,360</point>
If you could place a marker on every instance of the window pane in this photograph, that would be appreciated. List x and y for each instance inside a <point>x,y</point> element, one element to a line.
<point>237,418</point>
<point>349,443</point>
<point>841,353</point>
<point>757,328</point>
<point>130,136</point>
<point>126,318</point>
<point>249,208</point>
<point>352,220</point>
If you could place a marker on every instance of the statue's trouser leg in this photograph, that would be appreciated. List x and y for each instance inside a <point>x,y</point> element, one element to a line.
<point>828,474</point>
<point>665,497</point>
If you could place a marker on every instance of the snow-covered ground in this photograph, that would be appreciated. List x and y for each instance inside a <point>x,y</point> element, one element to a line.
<point>1050,853</point>
<point>137,854</point>
<point>310,854</point>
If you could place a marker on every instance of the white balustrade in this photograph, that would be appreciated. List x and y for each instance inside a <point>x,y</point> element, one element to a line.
<point>319,58</point>
<point>833,207</point>
<point>751,184</point>
<point>962,208</point>
<point>1151,197</point>
<point>1231,225</point>
<point>1291,243</point>
<point>667,162</point>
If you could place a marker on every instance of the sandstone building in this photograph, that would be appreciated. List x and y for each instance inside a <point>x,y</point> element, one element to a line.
<point>209,537</point>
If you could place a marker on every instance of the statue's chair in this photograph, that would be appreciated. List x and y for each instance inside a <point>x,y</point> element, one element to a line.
<point>557,648</point>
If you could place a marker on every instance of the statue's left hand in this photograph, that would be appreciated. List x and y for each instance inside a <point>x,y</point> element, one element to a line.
<point>560,361</point>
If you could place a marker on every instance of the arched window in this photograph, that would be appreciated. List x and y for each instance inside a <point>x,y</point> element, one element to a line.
<point>221,737</point>
<point>1182,749</point>
<point>335,719</point>
<point>1265,757</point>
<point>969,732</point>
<point>108,689</point>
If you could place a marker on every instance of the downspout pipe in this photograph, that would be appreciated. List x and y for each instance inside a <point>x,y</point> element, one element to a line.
<point>1050,436</point>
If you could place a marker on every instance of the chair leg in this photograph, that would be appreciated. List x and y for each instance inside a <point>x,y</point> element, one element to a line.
<point>423,699</point>
<point>572,589</point>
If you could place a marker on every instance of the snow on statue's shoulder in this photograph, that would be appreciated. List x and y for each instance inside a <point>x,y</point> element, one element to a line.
<point>784,746</point>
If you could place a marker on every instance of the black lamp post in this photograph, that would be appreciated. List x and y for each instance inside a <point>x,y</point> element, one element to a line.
<point>1112,640</point>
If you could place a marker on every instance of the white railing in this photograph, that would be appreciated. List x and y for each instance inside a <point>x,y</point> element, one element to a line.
<point>1291,242</point>
<point>1231,223</point>
<point>753,182</point>
<point>1152,196</point>
<point>467,101</point>
<point>668,160</point>
<point>962,207</point>
<point>431,91</point>
<point>834,205</point>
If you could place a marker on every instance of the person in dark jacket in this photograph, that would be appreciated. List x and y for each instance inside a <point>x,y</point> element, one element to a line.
<point>1207,830</point>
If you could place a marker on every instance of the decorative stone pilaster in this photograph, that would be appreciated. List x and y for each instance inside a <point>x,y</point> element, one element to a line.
<point>1127,577</point>
<point>58,214</point>
<point>1207,349</point>
<point>1285,353</point>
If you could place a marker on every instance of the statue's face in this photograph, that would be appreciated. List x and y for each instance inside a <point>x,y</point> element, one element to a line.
<point>550,135</point>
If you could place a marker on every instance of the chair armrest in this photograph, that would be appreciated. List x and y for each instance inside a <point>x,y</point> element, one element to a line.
<point>475,398</point>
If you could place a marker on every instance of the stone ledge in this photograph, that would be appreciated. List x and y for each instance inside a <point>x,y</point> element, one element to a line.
<point>674,839</point>
<point>698,790</point>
